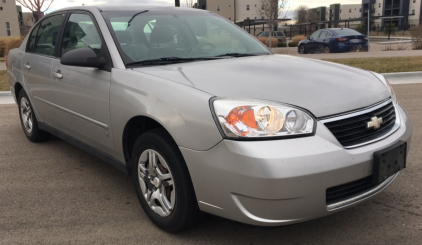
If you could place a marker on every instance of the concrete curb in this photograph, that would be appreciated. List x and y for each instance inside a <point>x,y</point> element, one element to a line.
<point>404,77</point>
<point>6,98</point>
<point>396,42</point>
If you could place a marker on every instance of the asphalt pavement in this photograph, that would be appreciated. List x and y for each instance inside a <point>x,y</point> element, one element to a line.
<point>54,193</point>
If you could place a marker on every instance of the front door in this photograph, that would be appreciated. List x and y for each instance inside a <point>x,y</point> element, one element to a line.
<point>312,45</point>
<point>81,95</point>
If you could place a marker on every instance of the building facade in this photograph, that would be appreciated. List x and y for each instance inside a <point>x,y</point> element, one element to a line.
<point>233,10</point>
<point>9,21</point>
<point>351,11</point>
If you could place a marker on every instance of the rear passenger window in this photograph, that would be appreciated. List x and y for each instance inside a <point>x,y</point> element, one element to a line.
<point>44,41</point>
<point>81,32</point>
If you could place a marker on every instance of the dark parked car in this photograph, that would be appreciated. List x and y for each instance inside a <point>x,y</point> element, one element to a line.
<point>334,40</point>
<point>277,34</point>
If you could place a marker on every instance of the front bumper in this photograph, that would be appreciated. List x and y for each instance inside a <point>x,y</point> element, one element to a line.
<point>270,183</point>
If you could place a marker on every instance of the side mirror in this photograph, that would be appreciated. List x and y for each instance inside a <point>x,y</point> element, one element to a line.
<point>82,57</point>
<point>309,38</point>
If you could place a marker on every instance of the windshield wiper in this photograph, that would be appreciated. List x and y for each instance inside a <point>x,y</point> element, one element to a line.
<point>236,55</point>
<point>169,60</point>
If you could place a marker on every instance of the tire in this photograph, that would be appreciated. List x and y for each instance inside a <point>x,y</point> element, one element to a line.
<point>176,209</point>
<point>326,50</point>
<point>302,49</point>
<point>29,121</point>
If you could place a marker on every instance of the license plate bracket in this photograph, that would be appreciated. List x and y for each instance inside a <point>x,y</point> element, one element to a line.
<point>355,40</point>
<point>389,161</point>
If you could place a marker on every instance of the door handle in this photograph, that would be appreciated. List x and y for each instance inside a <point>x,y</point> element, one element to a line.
<point>27,67</point>
<point>58,74</point>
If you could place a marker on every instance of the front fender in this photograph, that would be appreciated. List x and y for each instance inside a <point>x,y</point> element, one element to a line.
<point>182,110</point>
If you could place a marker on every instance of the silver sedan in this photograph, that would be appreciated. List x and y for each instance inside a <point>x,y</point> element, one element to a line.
<point>207,119</point>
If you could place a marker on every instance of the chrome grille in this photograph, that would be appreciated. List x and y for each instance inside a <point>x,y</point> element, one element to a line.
<point>354,130</point>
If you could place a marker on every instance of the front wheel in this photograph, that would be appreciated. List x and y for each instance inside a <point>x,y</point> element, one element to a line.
<point>162,182</point>
<point>302,49</point>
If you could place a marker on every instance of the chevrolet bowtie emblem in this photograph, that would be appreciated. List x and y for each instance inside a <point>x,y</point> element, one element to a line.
<point>375,123</point>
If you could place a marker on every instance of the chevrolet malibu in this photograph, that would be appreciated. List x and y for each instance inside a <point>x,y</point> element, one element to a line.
<point>205,118</point>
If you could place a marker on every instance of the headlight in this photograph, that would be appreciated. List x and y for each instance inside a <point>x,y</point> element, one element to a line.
<point>259,119</point>
<point>388,85</point>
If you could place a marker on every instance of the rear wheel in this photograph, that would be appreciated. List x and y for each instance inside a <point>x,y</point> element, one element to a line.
<point>326,50</point>
<point>162,182</point>
<point>29,120</point>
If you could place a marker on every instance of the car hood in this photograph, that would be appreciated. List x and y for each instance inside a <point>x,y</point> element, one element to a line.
<point>323,88</point>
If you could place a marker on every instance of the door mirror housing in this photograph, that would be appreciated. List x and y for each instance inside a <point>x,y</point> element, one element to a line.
<point>82,57</point>
<point>309,38</point>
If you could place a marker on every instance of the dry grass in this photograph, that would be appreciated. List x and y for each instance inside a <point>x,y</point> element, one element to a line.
<point>8,43</point>
<point>2,59</point>
<point>297,39</point>
<point>4,85</point>
<point>384,65</point>
<point>266,41</point>
<point>416,33</point>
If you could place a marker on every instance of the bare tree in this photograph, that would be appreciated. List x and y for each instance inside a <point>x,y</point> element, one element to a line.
<point>36,6</point>
<point>189,3</point>
<point>301,14</point>
<point>312,16</point>
<point>271,11</point>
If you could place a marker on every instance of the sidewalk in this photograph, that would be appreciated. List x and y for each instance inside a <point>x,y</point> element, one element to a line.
<point>2,66</point>
<point>377,54</point>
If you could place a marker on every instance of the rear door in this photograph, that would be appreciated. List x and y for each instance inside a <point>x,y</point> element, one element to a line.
<point>81,94</point>
<point>37,63</point>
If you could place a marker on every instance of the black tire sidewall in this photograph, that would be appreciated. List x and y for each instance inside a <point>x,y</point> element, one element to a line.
<point>22,94</point>
<point>176,221</point>
<point>37,135</point>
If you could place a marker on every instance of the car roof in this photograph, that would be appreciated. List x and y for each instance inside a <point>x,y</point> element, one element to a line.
<point>134,7</point>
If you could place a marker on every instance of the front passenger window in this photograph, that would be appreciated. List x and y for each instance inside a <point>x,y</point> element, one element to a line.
<point>81,32</point>
<point>315,35</point>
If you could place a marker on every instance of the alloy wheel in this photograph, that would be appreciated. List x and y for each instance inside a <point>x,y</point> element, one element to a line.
<point>26,114</point>
<point>156,183</point>
<point>302,50</point>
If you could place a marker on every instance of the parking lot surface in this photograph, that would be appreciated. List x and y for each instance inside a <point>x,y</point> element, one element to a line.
<point>54,193</point>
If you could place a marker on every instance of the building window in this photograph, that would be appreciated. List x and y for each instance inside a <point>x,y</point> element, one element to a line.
<point>4,1</point>
<point>378,14</point>
<point>379,5</point>
<point>350,10</point>
<point>360,10</point>
<point>414,1</point>
<point>8,27</point>
<point>229,6</point>
<point>218,7</point>
<point>230,18</point>
<point>247,7</point>
<point>413,11</point>
<point>340,11</point>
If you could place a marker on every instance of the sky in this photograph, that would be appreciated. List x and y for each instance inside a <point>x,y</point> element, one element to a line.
<point>58,4</point>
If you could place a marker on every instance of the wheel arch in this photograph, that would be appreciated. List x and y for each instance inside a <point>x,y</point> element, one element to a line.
<point>133,129</point>
<point>18,87</point>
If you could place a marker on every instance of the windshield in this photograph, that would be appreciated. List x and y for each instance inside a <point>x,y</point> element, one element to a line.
<point>152,35</point>
<point>347,32</point>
